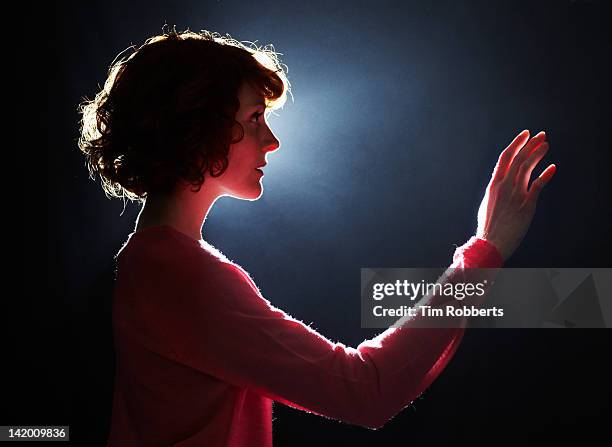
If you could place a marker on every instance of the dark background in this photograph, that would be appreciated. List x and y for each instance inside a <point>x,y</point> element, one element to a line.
<point>400,111</point>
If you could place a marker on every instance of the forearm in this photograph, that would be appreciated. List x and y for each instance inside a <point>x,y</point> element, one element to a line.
<point>411,354</point>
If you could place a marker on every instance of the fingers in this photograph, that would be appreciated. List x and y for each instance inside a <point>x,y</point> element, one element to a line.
<point>524,173</point>
<point>507,155</point>
<point>538,184</point>
<point>522,156</point>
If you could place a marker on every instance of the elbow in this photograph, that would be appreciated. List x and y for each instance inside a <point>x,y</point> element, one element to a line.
<point>374,422</point>
<point>376,408</point>
<point>378,411</point>
<point>374,425</point>
<point>374,419</point>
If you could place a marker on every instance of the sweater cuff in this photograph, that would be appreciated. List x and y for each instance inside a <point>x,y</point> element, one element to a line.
<point>478,253</point>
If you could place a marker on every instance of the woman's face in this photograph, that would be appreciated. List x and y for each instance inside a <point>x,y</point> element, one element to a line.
<point>242,178</point>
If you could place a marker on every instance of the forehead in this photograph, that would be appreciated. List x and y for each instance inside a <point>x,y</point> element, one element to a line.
<point>249,96</point>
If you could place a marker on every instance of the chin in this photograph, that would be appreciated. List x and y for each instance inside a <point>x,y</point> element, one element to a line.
<point>254,196</point>
<point>250,194</point>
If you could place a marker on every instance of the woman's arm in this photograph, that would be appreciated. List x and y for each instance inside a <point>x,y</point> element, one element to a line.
<point>210,316</point>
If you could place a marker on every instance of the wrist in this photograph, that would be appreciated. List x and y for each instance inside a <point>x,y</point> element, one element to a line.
<point>478,253</point>
<point>494,245</point>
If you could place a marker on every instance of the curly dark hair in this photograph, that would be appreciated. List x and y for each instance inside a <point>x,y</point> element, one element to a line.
<point>167,112</point>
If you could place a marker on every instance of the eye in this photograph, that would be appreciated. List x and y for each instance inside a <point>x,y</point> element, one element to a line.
<point>256,117</point>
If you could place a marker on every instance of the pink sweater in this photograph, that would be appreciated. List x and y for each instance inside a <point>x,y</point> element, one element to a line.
<point>201,354</point>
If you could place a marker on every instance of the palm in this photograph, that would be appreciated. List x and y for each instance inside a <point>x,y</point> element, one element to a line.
<point>509,204</point>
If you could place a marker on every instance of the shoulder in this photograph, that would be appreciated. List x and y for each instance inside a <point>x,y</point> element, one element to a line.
<point>164,254</point>
<point>160,253</point>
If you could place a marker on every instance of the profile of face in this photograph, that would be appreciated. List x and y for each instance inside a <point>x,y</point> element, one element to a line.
<point>243,176</point>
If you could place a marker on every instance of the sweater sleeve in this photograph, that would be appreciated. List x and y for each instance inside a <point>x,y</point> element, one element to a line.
<point>214,319</point>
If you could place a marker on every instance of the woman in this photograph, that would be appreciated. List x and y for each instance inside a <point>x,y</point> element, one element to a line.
<point>201,354</point>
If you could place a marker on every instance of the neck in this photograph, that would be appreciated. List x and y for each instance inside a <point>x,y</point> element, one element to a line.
<point>183,209</point>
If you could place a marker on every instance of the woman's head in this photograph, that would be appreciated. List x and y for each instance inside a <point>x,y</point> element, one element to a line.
<point>171,111</point>
<point>242,178</point>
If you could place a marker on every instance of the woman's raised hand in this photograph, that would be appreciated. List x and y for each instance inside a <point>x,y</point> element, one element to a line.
<point>509,203</point>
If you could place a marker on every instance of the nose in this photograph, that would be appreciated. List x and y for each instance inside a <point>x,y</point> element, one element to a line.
<point>271,143</point>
